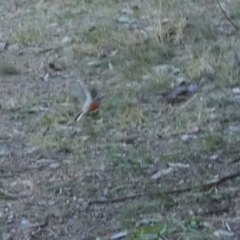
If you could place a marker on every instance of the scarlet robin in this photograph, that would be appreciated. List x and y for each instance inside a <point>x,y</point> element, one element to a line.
<point>92,101</point>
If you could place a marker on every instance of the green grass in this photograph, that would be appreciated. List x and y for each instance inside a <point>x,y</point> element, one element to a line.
<point>123,62</point>
<point>29,36</point>
<point>8,69</point>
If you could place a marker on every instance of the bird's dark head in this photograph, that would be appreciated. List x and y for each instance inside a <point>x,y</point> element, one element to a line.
<point>99,98</point>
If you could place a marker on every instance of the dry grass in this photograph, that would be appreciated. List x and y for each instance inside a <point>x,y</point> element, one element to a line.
<point>88,160</point>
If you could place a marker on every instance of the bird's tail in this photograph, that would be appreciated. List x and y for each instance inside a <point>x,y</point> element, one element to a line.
<point>78,116</point>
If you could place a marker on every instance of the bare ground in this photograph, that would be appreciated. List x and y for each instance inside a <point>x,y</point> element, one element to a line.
<point>118,171</point>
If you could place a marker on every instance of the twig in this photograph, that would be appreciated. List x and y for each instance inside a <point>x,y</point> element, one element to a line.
<point>47,50</point>
<point>226,16</point>
<point>220,181</point>
<point>116,200</point>
<point>206,186</point>
<point>217,210</point>
<point>203,187</point>
<point>113,200</point>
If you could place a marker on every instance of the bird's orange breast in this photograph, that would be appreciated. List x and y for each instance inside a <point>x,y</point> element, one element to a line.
<point>94,106</point>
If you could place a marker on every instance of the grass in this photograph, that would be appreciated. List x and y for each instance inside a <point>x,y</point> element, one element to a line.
<point>29,36</point>
<point>133,64</point>
<point>8,69</point>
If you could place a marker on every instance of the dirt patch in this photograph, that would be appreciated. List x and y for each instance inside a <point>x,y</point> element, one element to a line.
<point>120,169</point>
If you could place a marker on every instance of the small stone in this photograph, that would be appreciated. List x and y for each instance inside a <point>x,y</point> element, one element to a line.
<point>221,30</point>
<point>52,26</point>
<point>187,137</point>
<point>214,157</point>
<point>54,165</point>
<point>192,88</point>
<point>165,20</point>
<point>221,232</point>
<point>2,46</point>
<point>236,90</point>
<point>66,40</point>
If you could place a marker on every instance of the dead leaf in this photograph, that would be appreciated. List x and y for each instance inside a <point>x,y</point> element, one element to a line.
<point>45,78</point>
<point>119,235</point>
<point>180,93</point>
<point>98,63</point>
<point>130,138</point>
<point>25,224</point>
<point>221,232</point>
<point>111,66</point>
<point>178,165</point>
<point>161,173</point>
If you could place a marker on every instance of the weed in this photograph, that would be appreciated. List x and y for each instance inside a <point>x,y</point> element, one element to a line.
<point>29,36</point>
<point>8,69</point>
<point>213,142</point>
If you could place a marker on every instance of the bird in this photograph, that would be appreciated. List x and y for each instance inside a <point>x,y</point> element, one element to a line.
<point>92,101</point>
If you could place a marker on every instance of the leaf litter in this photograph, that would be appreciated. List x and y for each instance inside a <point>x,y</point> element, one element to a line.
<point>89,155</point>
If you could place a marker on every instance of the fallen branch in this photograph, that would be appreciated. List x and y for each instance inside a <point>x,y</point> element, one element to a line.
<point>226,16</point>
<point>203,187</point>
<point>116,200</point>
<point>206,186</point>
<point>113,200</point>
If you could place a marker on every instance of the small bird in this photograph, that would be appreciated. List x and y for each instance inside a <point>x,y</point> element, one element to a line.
<point>92,101</point>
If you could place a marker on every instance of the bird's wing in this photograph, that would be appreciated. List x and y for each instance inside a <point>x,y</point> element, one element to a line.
<point>88,98</point>
<point>81,93</point>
